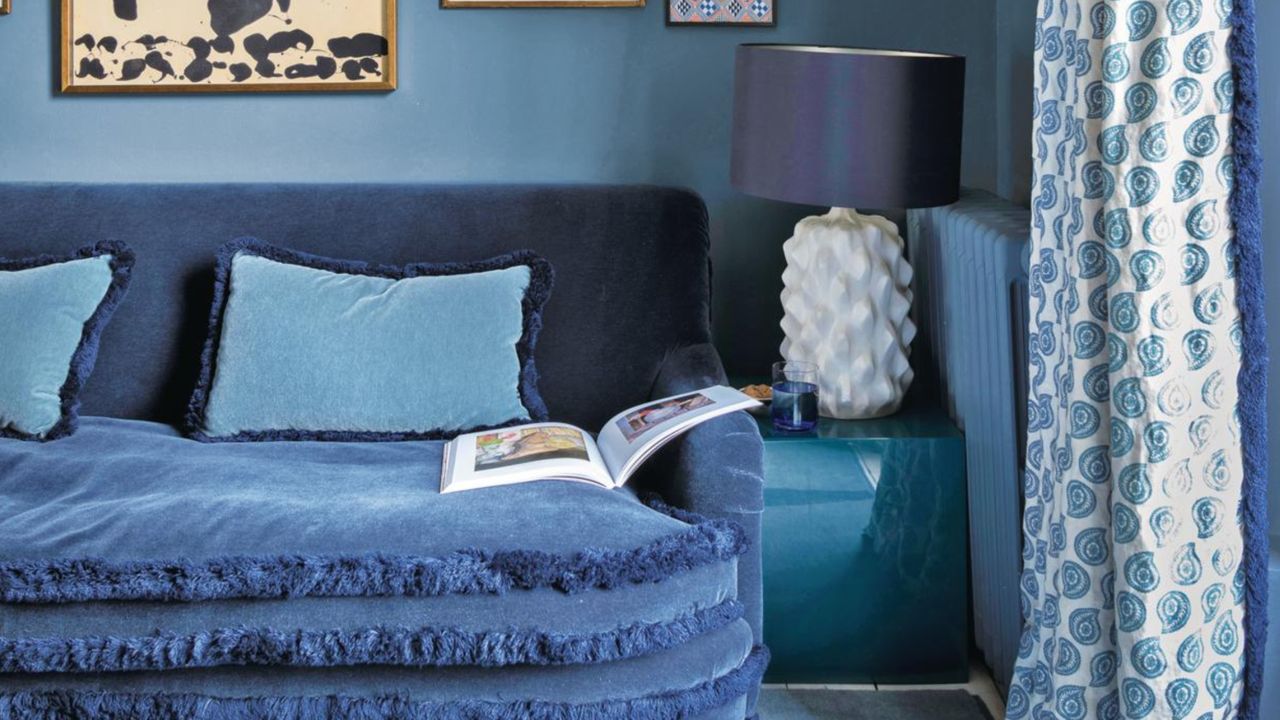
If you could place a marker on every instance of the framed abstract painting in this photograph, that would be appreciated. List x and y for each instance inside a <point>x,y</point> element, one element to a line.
<point>182,46</point>
<point>741,13</point>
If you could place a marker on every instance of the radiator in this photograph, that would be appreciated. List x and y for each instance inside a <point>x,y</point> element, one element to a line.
<point>971,306</point>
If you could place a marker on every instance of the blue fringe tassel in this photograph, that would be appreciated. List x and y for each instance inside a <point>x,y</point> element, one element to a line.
<point>372,575</point>
<point>1246,212</point>
<point>399,646</point>
<point>668,705</point>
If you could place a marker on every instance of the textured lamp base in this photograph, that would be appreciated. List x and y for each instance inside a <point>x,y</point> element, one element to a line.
<point>847,299</point>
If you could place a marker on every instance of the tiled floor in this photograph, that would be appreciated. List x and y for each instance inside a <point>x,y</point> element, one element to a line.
<point>979,684</point>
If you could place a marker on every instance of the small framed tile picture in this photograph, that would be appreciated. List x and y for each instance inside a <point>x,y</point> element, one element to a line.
<point>740,13</point>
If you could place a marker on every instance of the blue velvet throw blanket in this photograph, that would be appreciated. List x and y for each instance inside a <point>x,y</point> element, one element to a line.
<point>174,520</point>
<point>129,549</point>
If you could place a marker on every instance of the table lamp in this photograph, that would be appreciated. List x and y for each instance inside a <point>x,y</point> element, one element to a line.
<point>848,127</point>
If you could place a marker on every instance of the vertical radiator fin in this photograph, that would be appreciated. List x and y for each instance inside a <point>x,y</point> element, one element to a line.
<point>971,260</point>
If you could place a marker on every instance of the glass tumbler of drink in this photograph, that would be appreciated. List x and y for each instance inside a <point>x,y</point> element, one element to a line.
<point>795,396</point>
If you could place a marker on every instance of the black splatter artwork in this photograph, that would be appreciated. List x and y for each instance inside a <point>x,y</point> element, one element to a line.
<point>228,17</point>
<point>245,41</point>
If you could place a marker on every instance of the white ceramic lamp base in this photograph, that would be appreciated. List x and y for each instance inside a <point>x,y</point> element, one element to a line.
<point>847,299</point>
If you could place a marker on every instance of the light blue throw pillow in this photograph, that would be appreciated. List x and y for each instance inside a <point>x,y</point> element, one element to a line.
<point>52,314</point>
<point>309,348</point>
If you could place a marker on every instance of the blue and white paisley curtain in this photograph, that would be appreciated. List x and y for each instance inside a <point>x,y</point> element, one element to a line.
<point>1135,589</point>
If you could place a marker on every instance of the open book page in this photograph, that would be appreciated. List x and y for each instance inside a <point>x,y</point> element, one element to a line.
<point>629,438</point>
<point>522,454</point>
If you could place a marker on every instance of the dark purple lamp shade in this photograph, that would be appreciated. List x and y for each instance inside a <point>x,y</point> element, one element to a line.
<point>848,127</point>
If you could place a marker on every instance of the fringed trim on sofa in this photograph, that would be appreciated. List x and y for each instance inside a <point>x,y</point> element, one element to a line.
<point>372,575</point>
<point>399,646</point>
<point>667,705</point>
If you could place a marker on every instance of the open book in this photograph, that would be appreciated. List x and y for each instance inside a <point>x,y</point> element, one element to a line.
<point>555,451</point>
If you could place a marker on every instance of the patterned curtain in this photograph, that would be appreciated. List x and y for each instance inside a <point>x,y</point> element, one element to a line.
<point>1135,592</point>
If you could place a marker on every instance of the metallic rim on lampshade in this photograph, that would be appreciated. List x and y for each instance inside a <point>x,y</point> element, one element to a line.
<point>848,50</point>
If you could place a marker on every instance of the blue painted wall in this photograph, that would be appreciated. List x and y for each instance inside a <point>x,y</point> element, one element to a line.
<point>1014,70</point>
<point>497,95</point>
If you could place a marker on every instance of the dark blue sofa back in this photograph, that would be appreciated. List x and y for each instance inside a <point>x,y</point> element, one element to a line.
<point>632,270</point>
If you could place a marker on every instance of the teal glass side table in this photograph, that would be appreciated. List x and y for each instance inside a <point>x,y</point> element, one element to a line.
<point>866,551</point>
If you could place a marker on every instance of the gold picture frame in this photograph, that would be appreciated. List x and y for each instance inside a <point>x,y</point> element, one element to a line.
<point>330,75</point>
<point>5,7</point>
<point>455,4</point>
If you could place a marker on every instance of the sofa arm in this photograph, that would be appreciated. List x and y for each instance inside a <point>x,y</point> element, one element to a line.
<point>716,469</point>
<point>719,465</point>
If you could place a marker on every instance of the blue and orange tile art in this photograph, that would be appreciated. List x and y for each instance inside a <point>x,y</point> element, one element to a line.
<point>722,12</point>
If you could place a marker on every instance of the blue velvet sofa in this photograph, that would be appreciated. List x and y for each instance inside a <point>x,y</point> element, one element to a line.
<point>146,575</point>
